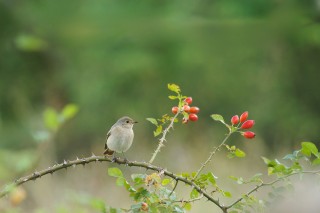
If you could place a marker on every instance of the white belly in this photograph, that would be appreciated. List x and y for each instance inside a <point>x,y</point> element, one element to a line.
<point>120,140</point>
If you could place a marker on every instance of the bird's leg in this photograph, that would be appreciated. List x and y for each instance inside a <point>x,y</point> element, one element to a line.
<point>114,158</point>
<point>125,159</point>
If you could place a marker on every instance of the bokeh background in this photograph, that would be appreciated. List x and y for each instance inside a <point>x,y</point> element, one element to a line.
<point>114,58</point>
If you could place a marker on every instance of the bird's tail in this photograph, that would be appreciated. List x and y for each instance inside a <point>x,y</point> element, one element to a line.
<point>107,151</point>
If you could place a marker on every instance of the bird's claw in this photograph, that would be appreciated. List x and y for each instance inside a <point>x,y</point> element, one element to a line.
<point>126,161</point>
<point>114,159</point>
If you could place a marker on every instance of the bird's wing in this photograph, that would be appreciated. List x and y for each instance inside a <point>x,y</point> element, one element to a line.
<point>108,135</point>
<point>107,151</point>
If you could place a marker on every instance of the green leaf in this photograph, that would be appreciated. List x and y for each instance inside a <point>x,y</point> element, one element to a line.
<point>266,160</point>
<point>114,210</point>
<point>154,198</point>
<point>238,180</point>
<point>256,178</point>
<point>98,205</point>
<point>141,193</point>
<point>233,178</point>
<point>280,168</point>
<point>296,166</point>
<point>69,111</point>
<point>212,178</point>
<point>233,128</point>
<point>165,181</point>
<point>226,194</point>
<point>175,88</point>
<point>153,121</point>
<point>172,97</point>
<point>316,161</point>
<point>185,175</point>
<point>30,43</point>
<point>309,148</point>
<point>51,120</point>
<point>217,117</point>
<point>194,194</point>
<point>138,178</point>
<point>187,206</point>
<point>239,153</point>
<point>114,172</point>
<point>158,131</point>
<point>270,170</point>
<point>193,174</point>
<point>136,206</point>
<point>178,209</point>
<point>121,181</point>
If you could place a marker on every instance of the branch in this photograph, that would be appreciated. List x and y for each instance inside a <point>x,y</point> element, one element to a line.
<point>93,158</point>
<point>270,184</point>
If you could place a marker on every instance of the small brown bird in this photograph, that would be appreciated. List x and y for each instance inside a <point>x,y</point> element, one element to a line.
<point>120,136</point>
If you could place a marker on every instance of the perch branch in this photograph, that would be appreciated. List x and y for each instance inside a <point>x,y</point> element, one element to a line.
<point>93,158</point>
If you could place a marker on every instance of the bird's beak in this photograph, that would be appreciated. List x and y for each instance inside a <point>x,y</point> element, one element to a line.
<point>135,122</point>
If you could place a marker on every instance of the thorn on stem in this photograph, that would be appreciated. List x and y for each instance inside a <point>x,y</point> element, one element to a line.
<point>84,161</point>
<point>36,174</point>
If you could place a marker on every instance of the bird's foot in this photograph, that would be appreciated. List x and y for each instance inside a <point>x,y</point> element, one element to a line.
<point>114,159</point>
<point>126,161</point>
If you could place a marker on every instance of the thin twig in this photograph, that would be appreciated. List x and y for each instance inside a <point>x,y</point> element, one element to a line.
<point>174,188</point>
<point>163,138</point>
<point>189,201</point>
<point>270,184</point>
<point>211,155</point>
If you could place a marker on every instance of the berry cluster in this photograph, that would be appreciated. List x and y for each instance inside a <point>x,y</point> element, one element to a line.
<point>246,124</point>
<point>189,112</point>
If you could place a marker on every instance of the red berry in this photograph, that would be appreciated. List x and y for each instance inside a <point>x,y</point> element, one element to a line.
<point>185,120</point>
<point>144,206</point>
<point>188,100</point>
<point>175,109</point>
<point>194,110</point>
<point>249,134</point>
<point>193,117</point>
<point>186,108</point>
<point>244,116</point>
<point>247,124</point>
<point>235,119</point>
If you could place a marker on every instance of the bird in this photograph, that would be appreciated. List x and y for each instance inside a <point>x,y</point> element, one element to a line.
<point>120,136</point>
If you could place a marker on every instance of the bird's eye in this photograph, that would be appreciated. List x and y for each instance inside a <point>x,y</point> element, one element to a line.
<point>127,121</point>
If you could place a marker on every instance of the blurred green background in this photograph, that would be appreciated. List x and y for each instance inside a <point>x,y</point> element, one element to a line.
<point>114,58</point>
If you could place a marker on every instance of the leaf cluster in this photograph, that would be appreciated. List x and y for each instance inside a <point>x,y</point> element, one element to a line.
<point>150,189</point>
